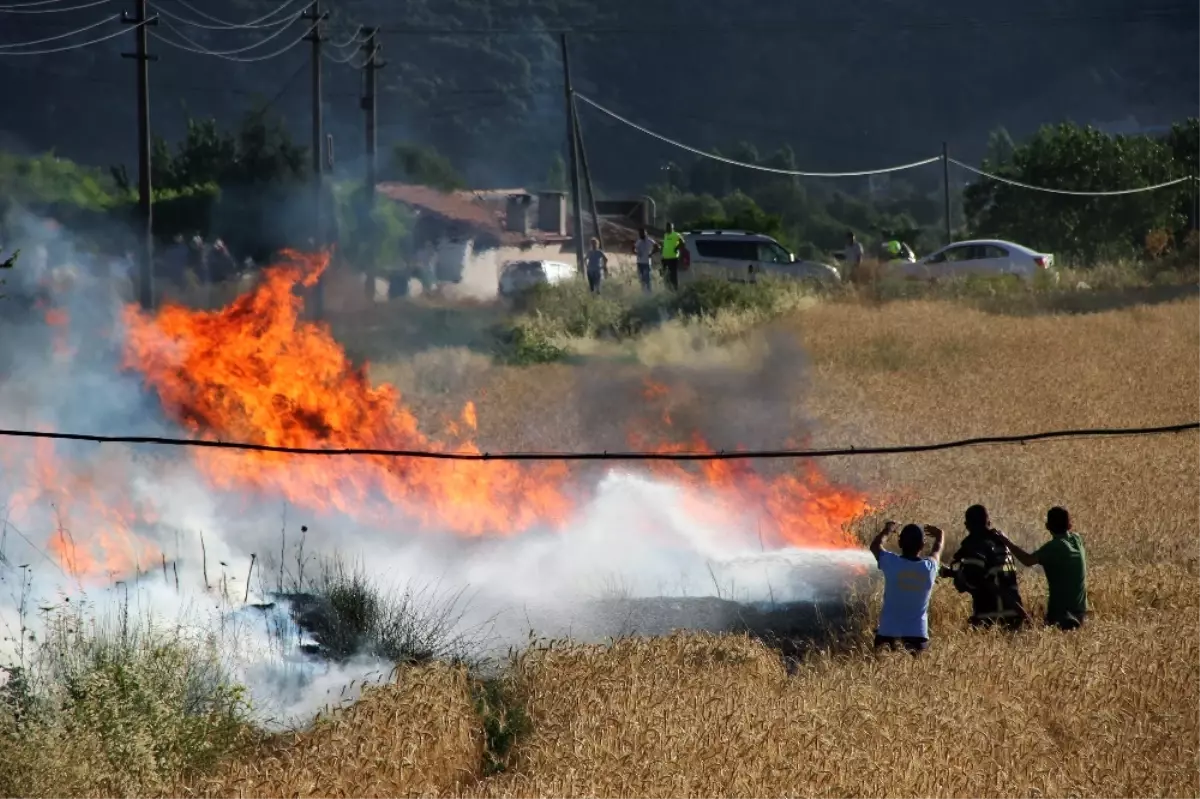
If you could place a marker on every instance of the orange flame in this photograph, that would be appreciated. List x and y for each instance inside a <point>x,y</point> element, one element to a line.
<point>253,371</point>
<point>800,508</point>
<point>94,515</point>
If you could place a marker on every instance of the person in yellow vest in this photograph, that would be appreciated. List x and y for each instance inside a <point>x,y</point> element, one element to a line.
<point>672,243</point>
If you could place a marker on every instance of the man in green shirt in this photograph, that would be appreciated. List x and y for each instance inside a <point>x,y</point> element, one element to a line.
<point>1064,561</point>
<point>671,244</point>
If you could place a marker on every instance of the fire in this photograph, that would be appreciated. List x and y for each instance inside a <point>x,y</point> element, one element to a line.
<point>801,508</point>
<point>93,515</point>
<point>255,372</point>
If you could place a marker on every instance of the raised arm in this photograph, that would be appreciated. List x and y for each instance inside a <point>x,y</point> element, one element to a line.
<point>877,543</point>
<point>939,539</point>
<point>1026,558</point>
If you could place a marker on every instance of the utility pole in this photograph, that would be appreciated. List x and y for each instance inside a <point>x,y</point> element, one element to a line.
<point>145,204</point>
<point>371,67</point>
<point>314,15</point>
<point>587,173</point>
<point>1193,202</point>
<point>369,104</point>
<point>573,151</point>
<point>946,191</point>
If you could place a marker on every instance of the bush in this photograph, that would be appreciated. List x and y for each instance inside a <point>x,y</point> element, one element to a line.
<point>525,343</point>
<point>98,710</point>
<point>348,615</point>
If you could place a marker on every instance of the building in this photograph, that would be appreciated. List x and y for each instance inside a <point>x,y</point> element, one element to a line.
<point>464,237</point>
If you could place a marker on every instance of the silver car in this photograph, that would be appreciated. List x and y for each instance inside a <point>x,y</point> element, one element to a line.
<point>740,256</point>
<point>518,276</point>
<point>978,257</point>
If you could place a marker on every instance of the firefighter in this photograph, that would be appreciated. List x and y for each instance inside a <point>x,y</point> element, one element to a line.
<point>984,568</point>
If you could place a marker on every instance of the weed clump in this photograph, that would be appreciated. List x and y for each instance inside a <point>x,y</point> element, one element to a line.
<point>102,711</point>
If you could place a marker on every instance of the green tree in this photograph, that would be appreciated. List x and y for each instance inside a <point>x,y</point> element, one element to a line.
<point>415,163</point>
<point>1084,159</point>
<point>556,178</point>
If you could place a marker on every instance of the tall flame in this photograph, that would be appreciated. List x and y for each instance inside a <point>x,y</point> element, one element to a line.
<point>253,371</point>
<point>256,372</point>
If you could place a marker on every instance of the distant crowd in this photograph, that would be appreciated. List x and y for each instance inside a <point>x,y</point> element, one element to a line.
<point>983,567</point>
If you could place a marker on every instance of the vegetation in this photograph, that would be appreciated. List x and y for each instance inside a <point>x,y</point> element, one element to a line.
<point>117,709</point>
<point>551,320</point>
<point>1083,159</point>
<point>1106,710</point>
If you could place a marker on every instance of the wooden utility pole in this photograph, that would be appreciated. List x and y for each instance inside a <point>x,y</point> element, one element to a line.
<point>369,104</point>
<point>316,17</point>
<point>587,173</point>
<point>145,203</point>
<point>946,192</point>
<point>371,67</point>
<point>573,151</point>
<point>1196,203</point>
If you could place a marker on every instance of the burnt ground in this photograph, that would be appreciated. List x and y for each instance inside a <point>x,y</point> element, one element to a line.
<point>794,629</point>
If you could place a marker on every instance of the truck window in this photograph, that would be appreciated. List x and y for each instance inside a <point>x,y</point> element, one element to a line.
<point>727,249</point>
<point>773,253</point>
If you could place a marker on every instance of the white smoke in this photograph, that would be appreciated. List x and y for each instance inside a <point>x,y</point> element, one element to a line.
<point>634,537</point>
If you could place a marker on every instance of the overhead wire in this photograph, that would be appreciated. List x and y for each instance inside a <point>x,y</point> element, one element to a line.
<point>227,57</point>
<point>721,455</point>
<point>206,51</point>
<point>80,7</point>
<point>759,167</point>
<point>221,24</point>
<point>57,37</point>
<point>1046,189</point>
<point>69,48</point>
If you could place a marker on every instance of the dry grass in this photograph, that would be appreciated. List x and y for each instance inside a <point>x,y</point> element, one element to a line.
<point>1109,710</point>
<point>418,736</point>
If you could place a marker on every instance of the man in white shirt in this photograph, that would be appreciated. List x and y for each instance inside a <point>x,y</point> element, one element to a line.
<point>908,584</point>
<point>853,256</point>
<point>643,249</point>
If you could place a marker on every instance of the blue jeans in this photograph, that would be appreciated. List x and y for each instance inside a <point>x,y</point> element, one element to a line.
<point>644,276</point>
<point>593,281</point>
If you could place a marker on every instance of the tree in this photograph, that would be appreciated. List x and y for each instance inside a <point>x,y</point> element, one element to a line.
<point>556,178</point>
<point>415,163</point>
<point>1083,159</point>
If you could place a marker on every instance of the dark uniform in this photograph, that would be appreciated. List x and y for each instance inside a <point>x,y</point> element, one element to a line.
<point>984,568</point>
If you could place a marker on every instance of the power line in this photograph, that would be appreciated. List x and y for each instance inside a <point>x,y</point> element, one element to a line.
<point>254,59</point>
<point>59,36</point>
<point>201,48</point>
<point>617,456</point>
<point>20,9</point>
<point>69,48</point>
<point>759,167</point>
<point>221,24</point>
<point>203,26</point>
<point>1115,193</point>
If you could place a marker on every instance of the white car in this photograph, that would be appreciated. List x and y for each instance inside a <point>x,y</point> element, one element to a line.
<point>518,276</point>
<point>988,257</point>
<point>740,256</point>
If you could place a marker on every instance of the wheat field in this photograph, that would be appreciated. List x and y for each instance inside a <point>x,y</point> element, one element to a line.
<point>1110,710</point>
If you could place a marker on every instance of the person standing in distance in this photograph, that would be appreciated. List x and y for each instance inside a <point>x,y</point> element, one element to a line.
<point>597,265</point>
<point>908,582</point>
<point>671,244</point>
<point>1064,560</point>
<point>643,249</point>
<point>852,259</point>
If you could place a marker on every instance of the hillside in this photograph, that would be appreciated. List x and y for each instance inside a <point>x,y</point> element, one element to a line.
<point>846,89</point>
